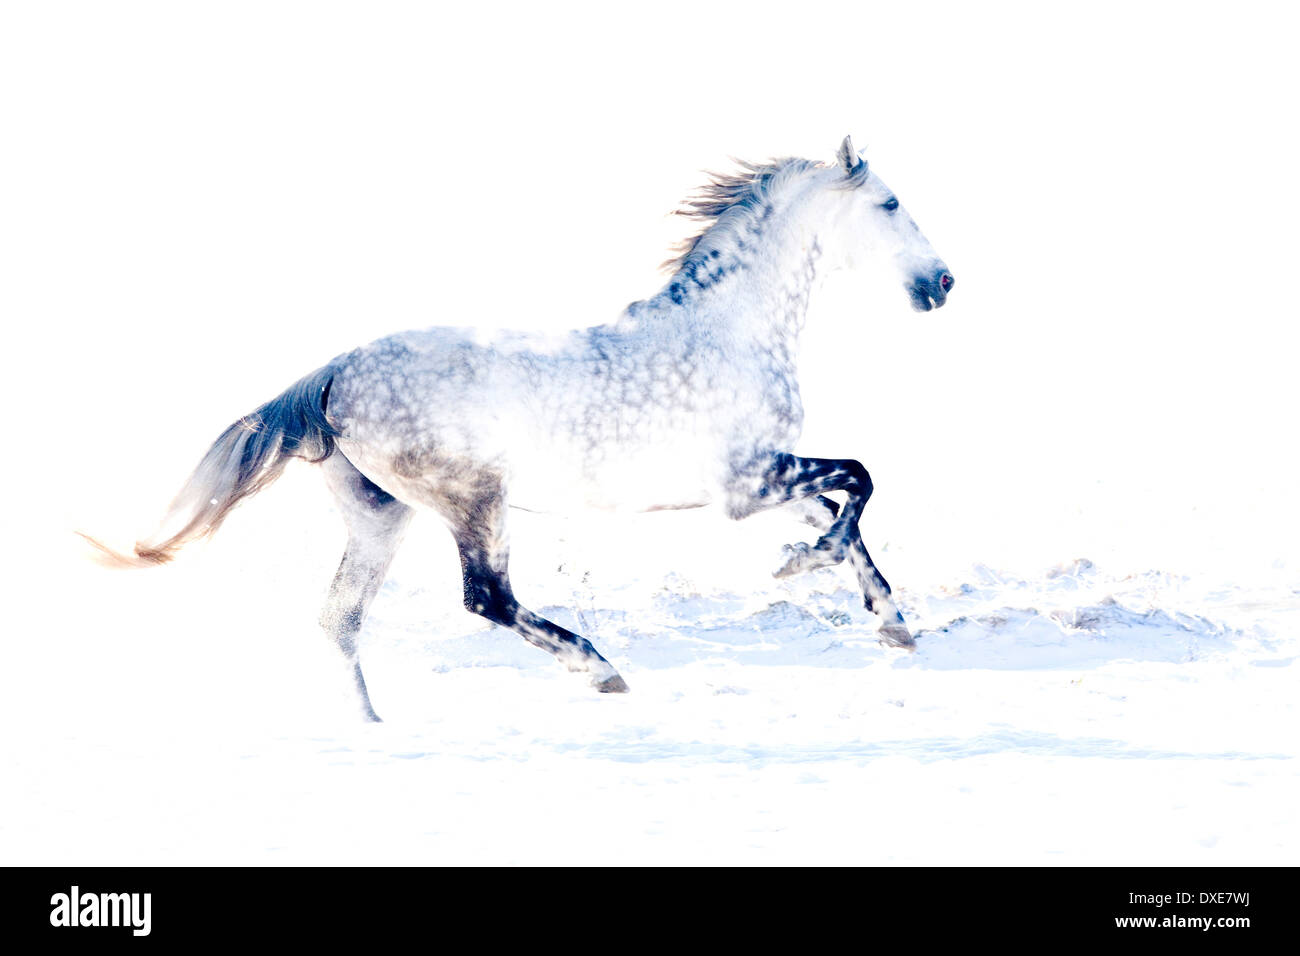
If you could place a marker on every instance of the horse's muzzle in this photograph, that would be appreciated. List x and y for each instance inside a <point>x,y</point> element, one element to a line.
<point>930,292</point>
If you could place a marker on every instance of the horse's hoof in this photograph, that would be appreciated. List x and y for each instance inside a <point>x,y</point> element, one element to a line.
<point>896,635</point>
<point>794,554</point>
<point>803,557</point>
<point>613,685</point>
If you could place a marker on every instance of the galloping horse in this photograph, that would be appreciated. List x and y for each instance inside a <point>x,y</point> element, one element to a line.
<point>689,398</point>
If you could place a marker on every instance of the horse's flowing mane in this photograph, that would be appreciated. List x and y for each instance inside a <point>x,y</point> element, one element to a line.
<point>728,197</point>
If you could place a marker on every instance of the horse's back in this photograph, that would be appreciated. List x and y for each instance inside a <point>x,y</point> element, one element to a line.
<point>435,390</point>
<point>593,417</point>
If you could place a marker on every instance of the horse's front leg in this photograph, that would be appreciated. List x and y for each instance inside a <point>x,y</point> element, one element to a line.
<point>820,512</point>
<point>787,480</point>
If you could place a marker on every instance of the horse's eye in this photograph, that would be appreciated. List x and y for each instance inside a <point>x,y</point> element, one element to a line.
<point>891,204</point>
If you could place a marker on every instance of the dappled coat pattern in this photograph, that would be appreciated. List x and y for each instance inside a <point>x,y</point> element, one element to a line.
<point>689,398</point>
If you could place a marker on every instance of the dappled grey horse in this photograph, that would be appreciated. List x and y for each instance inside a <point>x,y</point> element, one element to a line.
<point>689,398</point>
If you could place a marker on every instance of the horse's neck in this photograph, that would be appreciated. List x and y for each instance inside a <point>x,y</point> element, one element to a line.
<point>781,289</point>
<point>760,287</point>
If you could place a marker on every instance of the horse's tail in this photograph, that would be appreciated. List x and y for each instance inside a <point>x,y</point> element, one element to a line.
<point>248,456</point>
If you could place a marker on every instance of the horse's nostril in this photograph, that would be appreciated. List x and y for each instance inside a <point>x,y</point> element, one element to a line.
<point>946,281</point>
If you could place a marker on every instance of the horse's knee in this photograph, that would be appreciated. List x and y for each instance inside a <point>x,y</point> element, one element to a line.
<point>860,477</point>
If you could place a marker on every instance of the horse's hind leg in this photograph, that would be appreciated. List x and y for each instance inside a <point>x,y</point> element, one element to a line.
<point>800,483</point>
<point>376,521</point>
<point>484,558</point>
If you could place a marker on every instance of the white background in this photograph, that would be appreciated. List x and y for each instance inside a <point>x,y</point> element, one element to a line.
<point>199,203</point>
<point>202,202</point>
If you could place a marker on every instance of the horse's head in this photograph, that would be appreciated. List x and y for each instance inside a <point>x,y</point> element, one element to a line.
<point>874,230</point>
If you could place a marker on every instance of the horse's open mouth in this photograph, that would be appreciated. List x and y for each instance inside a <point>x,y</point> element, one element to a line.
<point>931,293</point>
<point>923,299</point>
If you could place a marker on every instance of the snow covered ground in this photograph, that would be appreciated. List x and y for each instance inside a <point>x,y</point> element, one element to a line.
<point>1086,494</point>
<point>1074,715</point>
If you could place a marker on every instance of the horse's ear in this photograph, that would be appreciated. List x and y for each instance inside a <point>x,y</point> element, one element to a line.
<point>848,158</point>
